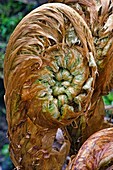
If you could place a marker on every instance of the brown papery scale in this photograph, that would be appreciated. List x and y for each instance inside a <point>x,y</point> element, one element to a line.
<point>49,77</point>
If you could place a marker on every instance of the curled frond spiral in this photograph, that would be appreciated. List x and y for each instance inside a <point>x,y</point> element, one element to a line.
<point>49,77</point>
<point>98,14</point>
<point>51,61</point>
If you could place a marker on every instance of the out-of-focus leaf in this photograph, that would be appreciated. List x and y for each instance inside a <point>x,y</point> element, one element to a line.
<point>110,96</point>
<point>5,150</point>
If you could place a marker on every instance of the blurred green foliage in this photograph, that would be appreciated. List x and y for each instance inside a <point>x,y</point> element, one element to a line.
<point>108,99</point>
<point>11,12</point>
<point>8,19</point>
<point>5,150</point>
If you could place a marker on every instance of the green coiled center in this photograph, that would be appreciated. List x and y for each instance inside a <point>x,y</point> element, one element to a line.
<point>64,79</point>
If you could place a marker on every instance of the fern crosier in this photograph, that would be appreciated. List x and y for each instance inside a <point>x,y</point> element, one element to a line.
<point>98,14</point>
<point>49,77</point>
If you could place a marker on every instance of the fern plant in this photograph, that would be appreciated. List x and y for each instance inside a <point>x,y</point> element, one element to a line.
<point>54,83</point>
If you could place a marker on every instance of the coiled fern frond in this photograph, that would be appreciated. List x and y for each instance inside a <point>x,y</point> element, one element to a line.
<point>49,77</point>
<point>98,14</point>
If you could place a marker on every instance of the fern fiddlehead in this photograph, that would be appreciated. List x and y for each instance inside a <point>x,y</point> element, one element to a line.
<point>49,76</point>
